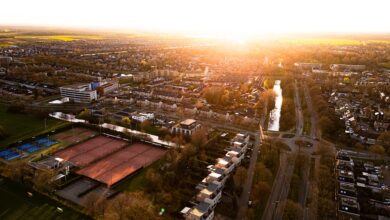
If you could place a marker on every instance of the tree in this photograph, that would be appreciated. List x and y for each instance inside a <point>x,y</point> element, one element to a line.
<point>377,149</point>
<point>96,205</point>
<point>384,140</point>
<point>326,208</point>
<point>269,97</point>
<point>199,138</point>
<point>359,146</point>
<point>43,181</point>
<point>154,181</point>
<point>326,124</point>
<point>239,177</point>
<point>147,127</point>
<point>3,133</point>
<point>324,150</point>
<point>126,121</point>
<point>15,171</point>
<point>132,206</point>
<point>263,174</point>
<point>326,183</point>
<point>260,190</point>
<point>85,114</point>
<point>292,210</point>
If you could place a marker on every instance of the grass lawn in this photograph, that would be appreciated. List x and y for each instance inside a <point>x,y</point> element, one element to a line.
<point>15,204</point>
<point>22,126</point>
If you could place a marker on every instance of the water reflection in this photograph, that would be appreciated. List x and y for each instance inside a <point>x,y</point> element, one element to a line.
<point>274,116</point>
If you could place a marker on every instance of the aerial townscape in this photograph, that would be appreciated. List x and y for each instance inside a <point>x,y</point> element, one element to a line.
<point>101,120</point>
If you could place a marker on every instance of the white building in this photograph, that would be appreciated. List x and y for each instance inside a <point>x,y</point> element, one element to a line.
<point>218,177</point>
<point>186,127</point>
<point>81,93</point>
<point>202,211</point>
<point>211,194</point>
<point>237,154</point>
<point>141,117</point>
<point>226,163</point>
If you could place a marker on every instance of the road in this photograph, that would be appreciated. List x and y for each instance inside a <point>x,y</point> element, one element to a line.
<point>298,111</point>
<point>313,114</point>
<point>280,189</point>
<point>243,201</point>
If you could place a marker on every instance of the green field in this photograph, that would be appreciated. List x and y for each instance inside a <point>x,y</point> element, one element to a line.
<point>15,204</point>
<point>60,37</point>
<point>22,126</point>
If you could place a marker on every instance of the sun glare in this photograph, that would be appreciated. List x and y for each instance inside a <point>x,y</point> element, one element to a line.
<point>232,19</point>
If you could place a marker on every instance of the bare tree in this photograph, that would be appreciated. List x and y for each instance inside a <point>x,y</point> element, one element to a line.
<point>239,177</point>
<point>132,206</point>
<point>96,205</point>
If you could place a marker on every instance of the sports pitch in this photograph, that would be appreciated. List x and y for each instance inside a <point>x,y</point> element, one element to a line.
<point>15,204</point>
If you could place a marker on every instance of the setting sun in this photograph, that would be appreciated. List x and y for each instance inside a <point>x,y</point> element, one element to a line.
<point>194,109</point>
<point>231,19</point>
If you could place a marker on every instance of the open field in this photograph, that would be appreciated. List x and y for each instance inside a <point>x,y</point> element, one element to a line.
<point>15,204</point>
<point>22,126</point>
<point>60,37</point>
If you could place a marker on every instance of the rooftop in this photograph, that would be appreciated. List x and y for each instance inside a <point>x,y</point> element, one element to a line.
<point>188,122</point>
<point>78,86</point>
<point>201,208</point>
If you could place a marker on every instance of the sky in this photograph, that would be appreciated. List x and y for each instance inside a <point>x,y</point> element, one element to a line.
<point>204,17</point>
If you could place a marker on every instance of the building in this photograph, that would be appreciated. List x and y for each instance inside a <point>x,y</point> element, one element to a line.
<point>211,186</point>
<point>226,163</point>
<point>218,177</point>
<point>211,194</point>
<point>344,67</point>
<point>81,93</point>
<point>107,87</point>
<point>141,117</point>
<point>5,61</point>
<point>308,66</point>
<point>186,127</point>
<point>202,211</point>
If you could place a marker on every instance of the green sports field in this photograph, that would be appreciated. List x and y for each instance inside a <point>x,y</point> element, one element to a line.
<point>22,126</point>
<point>15,204</point>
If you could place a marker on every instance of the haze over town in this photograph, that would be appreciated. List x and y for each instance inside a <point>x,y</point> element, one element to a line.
<point>194,110</point>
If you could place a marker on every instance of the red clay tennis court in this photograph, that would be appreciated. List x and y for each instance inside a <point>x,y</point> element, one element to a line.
<point>74,135</point>
<point>91,150</point>
<point>122,163</point>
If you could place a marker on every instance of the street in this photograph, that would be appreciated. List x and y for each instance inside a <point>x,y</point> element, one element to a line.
<point>280,189</point>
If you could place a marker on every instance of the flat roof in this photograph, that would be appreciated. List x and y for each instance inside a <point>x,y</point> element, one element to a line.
<point>222,161</point>
<point>213,174</point>
<point>201,208</point>
<point>188,122</point>
<point>206,191</point>
<point>76,86</point>
<point>185,210</point>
